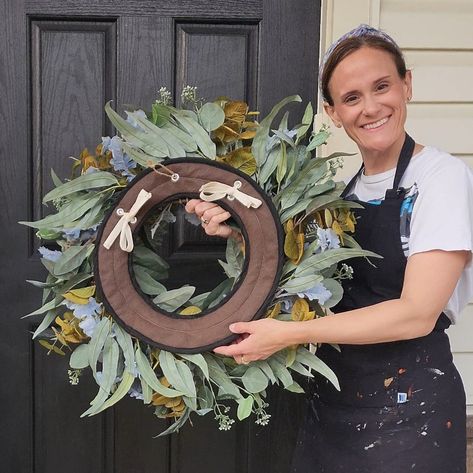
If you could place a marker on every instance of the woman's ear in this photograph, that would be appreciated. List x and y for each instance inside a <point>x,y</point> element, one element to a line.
<point>330,111</point>
<point>408,85</point>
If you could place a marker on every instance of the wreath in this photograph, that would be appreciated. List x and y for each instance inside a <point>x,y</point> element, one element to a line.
<point>104,235</point>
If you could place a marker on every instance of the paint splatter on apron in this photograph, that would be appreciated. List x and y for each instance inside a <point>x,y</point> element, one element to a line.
<point>402,404</point>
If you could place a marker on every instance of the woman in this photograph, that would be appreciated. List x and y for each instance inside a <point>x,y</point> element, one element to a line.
<point>402,404</point>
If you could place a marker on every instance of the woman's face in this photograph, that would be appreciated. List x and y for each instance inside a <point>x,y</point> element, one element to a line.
<point>369,99</point>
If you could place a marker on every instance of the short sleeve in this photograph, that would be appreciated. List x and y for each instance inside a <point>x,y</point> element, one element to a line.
<point>442,219</point>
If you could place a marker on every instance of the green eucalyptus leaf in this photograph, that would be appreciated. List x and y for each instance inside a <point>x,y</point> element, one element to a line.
<point>48,318</point>
<point>80,357</point>
<point>136,137</point>
<point>177,425</point>
<point>171,300</point>
<point>300,368</point>
<point>126,344</point>
<point>245,405</point>
<point>258,146</point>
<point>96,343</point>
<point>266,369</point>
<point>56,181</point>
<point>320,261</point>
<point>269,166</point>
<point>57,301</point>
<point>318,139</point>
<point>147,372</point>
<point>72,258</point>
<point>147,283</point>
<point>186,140</point>
<point>72,283</point>
<point>305,357</point>
<point>144,159</point>
<point>147,392</point>
<point>71,211</point>
<point>211,116</point>
<point>218,375</point>
<point>119,393</point>
<point>202,138</point>
<point>175,149</point>
<point>306,122</point>
<point>280,371</point>
<point>109,364</point>
<point>82,183</point>
<point>178,375</point>
<point>335,289</point>
<point>295,388</point>
<point>301,283</point>
<point>254,379</point>
<point>198,360</point>
<point>149,259</point>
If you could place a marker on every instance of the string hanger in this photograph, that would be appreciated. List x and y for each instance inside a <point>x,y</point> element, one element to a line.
<point>174,176</point>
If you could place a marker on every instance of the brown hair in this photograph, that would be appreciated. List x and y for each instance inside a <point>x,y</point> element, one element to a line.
<point>352,44</point>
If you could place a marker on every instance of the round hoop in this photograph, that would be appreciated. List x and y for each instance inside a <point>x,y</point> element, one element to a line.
<point>259,280</point>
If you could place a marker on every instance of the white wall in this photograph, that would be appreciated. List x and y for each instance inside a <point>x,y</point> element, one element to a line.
<point>437,39</point>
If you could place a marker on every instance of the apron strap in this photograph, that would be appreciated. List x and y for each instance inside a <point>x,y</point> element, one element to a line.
<point>403,161</point>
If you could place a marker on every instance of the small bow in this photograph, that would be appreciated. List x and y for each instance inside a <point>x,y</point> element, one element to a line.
<point>122,227</point>
<point>217,190</point>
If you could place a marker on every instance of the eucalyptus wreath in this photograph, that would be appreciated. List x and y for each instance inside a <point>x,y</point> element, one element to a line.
<point>317,225</point>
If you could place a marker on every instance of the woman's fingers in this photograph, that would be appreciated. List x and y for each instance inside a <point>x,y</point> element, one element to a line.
<point>212,215</point>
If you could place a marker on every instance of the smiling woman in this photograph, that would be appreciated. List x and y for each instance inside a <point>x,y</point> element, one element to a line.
<point>402,404</point>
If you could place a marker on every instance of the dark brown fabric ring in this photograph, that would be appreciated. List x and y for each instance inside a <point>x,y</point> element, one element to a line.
<point>255,289</point>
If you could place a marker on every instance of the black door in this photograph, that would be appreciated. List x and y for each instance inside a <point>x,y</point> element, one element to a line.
<point>60,61</point>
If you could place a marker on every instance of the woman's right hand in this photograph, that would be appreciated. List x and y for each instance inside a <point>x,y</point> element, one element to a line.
<point>212,217</point>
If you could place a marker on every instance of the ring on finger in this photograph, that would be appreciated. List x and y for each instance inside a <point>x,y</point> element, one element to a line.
<point>204,221</point>
<point>243,361</point>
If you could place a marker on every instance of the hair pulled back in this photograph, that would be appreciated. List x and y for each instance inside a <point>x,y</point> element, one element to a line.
<point>371,38</point>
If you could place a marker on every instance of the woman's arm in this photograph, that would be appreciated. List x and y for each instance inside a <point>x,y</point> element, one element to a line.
<point>429,282</point>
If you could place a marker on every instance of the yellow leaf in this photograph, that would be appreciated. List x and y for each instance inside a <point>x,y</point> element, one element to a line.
<point>164,381</point>
<point>336,227</point>
<point>275,311</point>
<point>191,310</point>
<point>180,407</point>
<point>291,249</point>
<point>159,399</point>
<point>242,159</point>
<point>173,402</point>
<point>328,218</point>
<point>248,134</point>
<point>50,347</point>
<point>300,310</point>
<point>300,239</point>
<point>80,296</point>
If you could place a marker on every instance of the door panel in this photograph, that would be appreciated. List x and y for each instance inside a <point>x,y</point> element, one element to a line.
<point>59,63</point>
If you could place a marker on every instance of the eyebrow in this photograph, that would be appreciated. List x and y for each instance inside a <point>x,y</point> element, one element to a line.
<point>346,94</point>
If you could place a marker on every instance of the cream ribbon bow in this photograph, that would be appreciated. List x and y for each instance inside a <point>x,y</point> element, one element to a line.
<point>217,190</point>
<point>122,227</point>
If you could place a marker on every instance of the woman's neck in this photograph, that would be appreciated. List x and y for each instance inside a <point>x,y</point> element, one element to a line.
<point>378,161</point>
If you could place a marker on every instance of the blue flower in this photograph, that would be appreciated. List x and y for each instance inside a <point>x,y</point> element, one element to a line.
<point>328,239</point>
<point>50,255</point>
<point>120,161</point>
<point>274,140</point>
<point>318,292</point>
<point>88,313</point>
<point>71,233</point>
<point>132,121</point>
<point>136,391</point>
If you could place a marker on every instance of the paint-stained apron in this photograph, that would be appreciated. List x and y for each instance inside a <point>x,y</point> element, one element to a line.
<point>402,404</point>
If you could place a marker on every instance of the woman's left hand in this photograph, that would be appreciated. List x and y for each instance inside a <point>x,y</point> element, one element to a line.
<point>261,338</point>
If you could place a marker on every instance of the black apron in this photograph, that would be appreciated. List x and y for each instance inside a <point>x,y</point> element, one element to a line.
<point>402,404</point>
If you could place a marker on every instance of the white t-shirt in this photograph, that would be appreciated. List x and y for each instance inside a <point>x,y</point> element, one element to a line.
<point>437,212</point>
